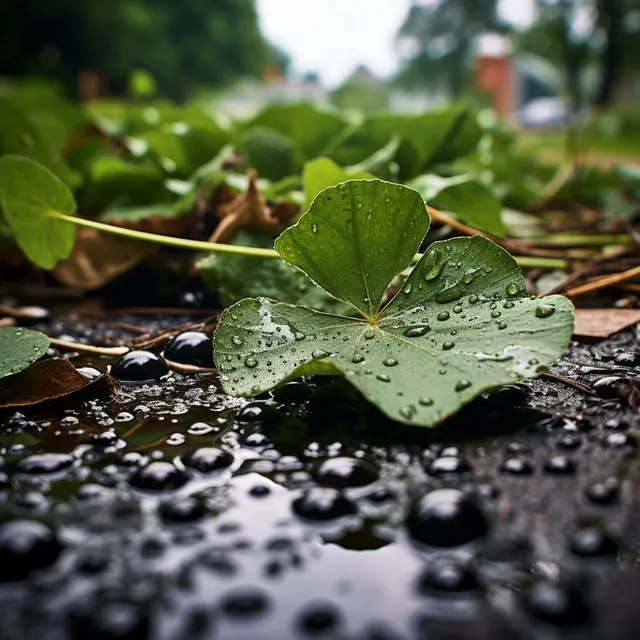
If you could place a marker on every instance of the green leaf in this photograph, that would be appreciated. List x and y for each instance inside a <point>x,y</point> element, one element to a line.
<point>360,234</point>
<point>19,348</point>
<point>182,147</point>
<point>465,198</point>
<point>321,173</point>
<point>28,193</point>
<point>235,277</point>
<point>461,324</point>
<point>312,129</point>
<point>269,152</point>
<point>421,138</point>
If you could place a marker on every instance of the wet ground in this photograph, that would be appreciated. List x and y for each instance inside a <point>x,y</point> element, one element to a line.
<point>171,511</point>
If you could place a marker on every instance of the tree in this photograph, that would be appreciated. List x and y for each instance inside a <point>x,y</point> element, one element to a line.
<point>181,44</point>
<point>578,35</point>
<point>441,38</point>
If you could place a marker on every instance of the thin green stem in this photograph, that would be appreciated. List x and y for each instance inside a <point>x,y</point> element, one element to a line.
<point>182,243</point>
<point>214,247</point>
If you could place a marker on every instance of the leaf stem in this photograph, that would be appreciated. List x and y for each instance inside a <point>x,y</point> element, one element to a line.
<point>182,243</point>
<point>215,247</point>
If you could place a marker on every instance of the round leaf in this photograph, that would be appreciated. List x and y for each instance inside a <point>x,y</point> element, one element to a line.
<point>355,238</point>
<point>28,193</point>
<point>19,348</point>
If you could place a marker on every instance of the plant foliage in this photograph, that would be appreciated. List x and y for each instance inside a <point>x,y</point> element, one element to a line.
<point>461,323</point>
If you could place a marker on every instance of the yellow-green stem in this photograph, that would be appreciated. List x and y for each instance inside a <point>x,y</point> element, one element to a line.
<point>213,247</point>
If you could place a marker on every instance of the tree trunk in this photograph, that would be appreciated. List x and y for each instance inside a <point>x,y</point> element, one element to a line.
<point>610,16</point>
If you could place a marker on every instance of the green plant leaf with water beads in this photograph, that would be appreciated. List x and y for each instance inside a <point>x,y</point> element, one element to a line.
<point>29,193</point>
<point>19,348</point>
<point>461,324</point>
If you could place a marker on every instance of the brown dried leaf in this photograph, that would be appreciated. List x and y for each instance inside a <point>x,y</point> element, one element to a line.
<point>48,380</point>
<point>98,258</point>
<point>247,210</point>
<point>601,323</point>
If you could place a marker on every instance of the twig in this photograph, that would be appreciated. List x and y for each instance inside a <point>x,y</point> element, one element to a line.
<point>601,283</point>
<point>77,346</point>
<point>568,381</point>
<point>189,368</point>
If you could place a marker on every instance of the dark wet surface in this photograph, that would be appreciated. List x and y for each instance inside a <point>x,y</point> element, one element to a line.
<point>172,511</point>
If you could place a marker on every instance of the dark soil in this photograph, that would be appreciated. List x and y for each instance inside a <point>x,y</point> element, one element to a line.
<point>171,511</point>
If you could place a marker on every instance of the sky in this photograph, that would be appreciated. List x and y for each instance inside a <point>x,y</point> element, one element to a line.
<point>333,37</point>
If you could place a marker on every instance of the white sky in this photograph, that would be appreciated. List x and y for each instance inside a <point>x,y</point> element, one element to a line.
<point>332,37</point>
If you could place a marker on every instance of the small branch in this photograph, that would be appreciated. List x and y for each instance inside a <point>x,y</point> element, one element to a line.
<point>601,283</point>
<point>77,346</point>
<point>188,368</point>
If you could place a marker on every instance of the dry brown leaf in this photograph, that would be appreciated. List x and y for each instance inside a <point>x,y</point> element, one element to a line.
<point>247,210</point>
<point>601,323</point>
<point>98,258</point>
<point>50,379</point>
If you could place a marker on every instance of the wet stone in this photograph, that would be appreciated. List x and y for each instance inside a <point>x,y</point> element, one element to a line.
<point>590,542</point>
<point>245,602</point>
<point>446,518</point>
<point>556,603</point>
<point>448,464</point>
<point>560,465</point>
<point>25,546</point>
<point>517,467</point>
<point>346,472</point>
<point>619,440</point>
<point>448,575</point>
<point>139,367</point>
<point>159,476</point>
<point>323,503</point>
<point>182,510</point>
<point>118,620</point>
<point>191,347</point>
<point>318,618</point>
<point>208,459</point>
<point>604,493</point>
<point>45,463</point>
<point>627,359</point>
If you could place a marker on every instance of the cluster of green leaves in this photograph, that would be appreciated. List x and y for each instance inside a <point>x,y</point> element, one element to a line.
<point>461,323</point>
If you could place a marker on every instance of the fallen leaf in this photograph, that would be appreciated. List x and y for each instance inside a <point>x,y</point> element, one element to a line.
<point>48,380</point>
<point>247,210</point>
<point>601,323</point>
<point>98,258</point>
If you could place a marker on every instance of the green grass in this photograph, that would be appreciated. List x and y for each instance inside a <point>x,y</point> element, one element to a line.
<point>551,145</point>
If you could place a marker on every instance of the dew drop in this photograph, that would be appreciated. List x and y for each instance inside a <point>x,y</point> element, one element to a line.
<point>461,385</point>
<point>314,228</point>
<point>250,362</point>
<point>434,264</point>
<point>357,358</point>
<point>407,288</point>
<point>389,362</point>
<point>425,401</point>
<point>383,377</point>
<point>368,335</point>
<point>444,315</point>
<point>457,308</point>
<point>417,331</point>
<point>473,299</point>
<point>502,325</point>
<point>544,310</point>
<point>512,289</point>
<point>448,345</point>
<point>407,412</point>
<point>237,340</point>
<point>299,336</point>
<point>319,354</point>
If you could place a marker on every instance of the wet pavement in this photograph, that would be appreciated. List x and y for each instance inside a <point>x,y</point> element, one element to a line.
<point>172,511</point>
